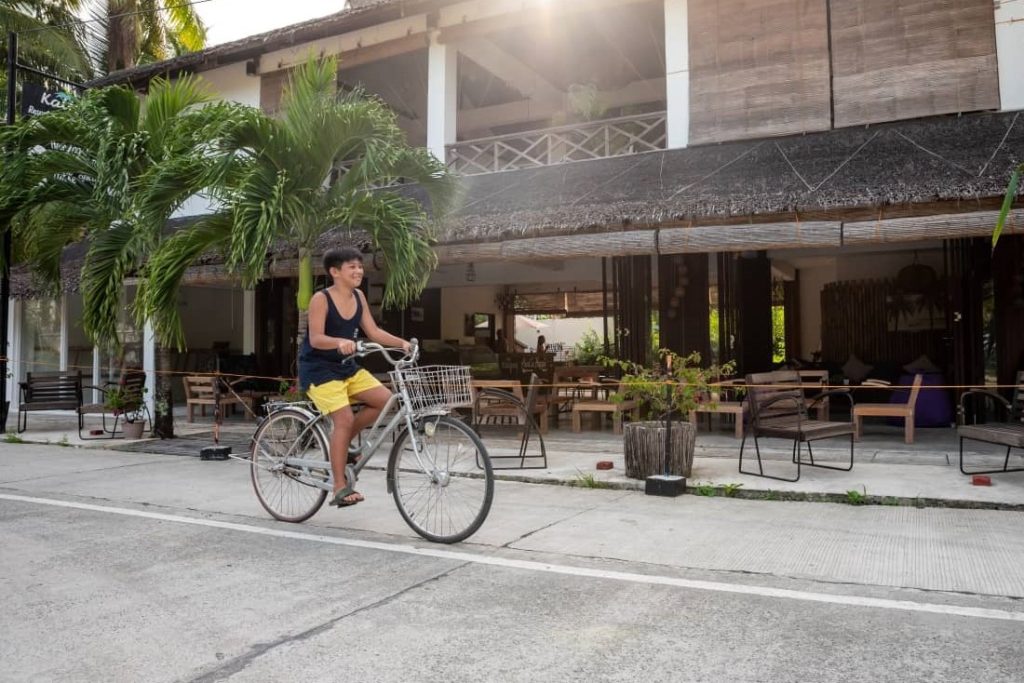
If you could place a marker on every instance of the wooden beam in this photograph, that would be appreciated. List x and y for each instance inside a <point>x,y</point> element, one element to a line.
<point>508,68</point>
<point>482,17</point>
<point>472,120</point>
<point>350,59</point>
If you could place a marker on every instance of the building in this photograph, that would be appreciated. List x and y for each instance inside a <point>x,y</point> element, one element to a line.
<point>840,161</point>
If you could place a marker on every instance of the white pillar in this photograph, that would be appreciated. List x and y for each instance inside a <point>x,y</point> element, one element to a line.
<point>248,322</point>
<point>442,101</point>
<point>64,333</point>
<point>677,72</point>
<point>97,374</point>
<point>1010,54</point>
<point>14,357</point>
<point>149,364</point>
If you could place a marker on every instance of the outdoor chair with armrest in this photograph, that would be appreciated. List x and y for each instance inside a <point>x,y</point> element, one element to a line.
<point>1009,433</point>
<point>492,400</point>
<point>778,409</point>
<point>132,387</point>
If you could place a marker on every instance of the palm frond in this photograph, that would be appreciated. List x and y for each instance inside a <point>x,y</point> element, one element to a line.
<point>157,298</point>
<point>114,254</point>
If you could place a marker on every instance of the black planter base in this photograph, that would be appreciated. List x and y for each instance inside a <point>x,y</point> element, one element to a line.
<point>214,452</point>
<point>667,485</point>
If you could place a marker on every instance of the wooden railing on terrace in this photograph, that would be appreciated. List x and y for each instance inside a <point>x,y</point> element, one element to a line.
<point>577,142</point>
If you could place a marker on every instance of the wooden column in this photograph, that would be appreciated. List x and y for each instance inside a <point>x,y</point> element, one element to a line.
<point>683,304</point>
<point>968,266</point>
<point>633,310</point>
<point>1008,280</point>
<point>755,319</point>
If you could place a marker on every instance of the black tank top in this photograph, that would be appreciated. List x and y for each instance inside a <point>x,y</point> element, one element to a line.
<point>319,366</point>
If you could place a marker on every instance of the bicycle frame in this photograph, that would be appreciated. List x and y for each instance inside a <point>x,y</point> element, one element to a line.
<point>369,448</point>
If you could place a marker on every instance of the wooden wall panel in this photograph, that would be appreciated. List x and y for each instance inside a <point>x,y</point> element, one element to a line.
<point>272,87</point>
<point>758,68</point>
<point>900,59</point>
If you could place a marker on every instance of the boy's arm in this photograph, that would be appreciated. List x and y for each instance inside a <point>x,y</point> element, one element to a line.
<point>318,321</point>
<point>373,332</point>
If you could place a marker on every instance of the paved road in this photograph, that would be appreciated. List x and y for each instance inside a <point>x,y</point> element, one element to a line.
<point>131,567</point>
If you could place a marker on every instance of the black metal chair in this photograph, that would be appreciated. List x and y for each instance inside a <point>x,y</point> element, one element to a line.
<point>522,412</point>
<point>132,389</point>
<point>1009,433</point>
<point>778,409</point>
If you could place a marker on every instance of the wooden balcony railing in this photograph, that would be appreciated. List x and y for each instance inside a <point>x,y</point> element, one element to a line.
<point>578,142</point>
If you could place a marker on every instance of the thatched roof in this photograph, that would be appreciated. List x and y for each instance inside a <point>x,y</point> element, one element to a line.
<point>962,161</point>
<point>361,15</point>
<point>819,175</point>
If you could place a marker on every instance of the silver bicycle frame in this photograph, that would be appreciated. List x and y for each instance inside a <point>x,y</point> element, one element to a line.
<point>369,449</point>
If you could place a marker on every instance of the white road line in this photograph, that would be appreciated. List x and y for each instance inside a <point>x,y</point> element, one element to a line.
<point>528,565</point>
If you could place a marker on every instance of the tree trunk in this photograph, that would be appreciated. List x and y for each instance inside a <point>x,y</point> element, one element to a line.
<point>645,448</point>
<point>303,295</point>
<point>163,419</point>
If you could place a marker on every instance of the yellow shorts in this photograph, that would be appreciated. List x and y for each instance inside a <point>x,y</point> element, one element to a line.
<point>335,395</point>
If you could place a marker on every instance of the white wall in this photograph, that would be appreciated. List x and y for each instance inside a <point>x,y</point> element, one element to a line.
<point>814,275</point>
<point>456,302</point>
<point>1010,53</point>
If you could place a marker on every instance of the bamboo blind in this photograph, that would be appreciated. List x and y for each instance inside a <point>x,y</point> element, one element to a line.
<point>900,59</point>
<point>757,68</point>
<point>855,320</point>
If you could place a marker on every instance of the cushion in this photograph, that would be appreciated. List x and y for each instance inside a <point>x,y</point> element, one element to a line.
<point>856,369</point>
<point>923,365</point>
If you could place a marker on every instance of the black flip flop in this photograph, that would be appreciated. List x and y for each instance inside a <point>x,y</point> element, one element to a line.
<point>340,496</point>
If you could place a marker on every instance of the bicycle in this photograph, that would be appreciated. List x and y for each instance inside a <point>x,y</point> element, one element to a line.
<point>439,472</point>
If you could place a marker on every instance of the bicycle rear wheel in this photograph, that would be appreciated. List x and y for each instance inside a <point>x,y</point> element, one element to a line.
<point>447,497</point>
<point>289,493</point>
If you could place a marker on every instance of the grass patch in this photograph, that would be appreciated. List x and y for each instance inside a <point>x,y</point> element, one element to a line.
<point>586,480</point>
<point>11,437</point>
<point>855,497</point>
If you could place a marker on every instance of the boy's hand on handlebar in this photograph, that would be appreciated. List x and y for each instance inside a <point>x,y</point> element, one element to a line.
<point>346,347</point>
<point>407,346</point>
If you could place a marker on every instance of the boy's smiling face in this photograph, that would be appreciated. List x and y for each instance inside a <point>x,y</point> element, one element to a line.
<point>349,274</point>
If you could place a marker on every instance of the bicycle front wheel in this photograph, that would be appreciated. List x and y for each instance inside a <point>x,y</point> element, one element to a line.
<point>445,493</point>
<point>289,493</point>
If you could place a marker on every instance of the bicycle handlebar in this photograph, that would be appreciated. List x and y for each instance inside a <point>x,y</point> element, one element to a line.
<point>366,348</point>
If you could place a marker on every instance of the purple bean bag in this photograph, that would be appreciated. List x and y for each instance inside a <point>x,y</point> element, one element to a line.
<point>934,408</point>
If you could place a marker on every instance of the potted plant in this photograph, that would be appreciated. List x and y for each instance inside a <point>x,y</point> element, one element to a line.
<point>130,408</point>
<point>668,392</point>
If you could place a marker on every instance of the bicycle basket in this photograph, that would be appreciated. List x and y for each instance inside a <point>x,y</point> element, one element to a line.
<point>434,387</point>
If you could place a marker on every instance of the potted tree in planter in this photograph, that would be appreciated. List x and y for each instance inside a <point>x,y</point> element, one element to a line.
<point>668,393</point>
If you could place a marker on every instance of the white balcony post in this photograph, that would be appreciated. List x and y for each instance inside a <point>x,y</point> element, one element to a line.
<point>1010,54</point>
<point>64,350</point>
<point>149,364</point>
<point>442,103</point>
<point>677,73</point>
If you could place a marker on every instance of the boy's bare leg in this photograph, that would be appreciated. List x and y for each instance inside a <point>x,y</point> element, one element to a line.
<point>373,401</point>
<point>344,422</point>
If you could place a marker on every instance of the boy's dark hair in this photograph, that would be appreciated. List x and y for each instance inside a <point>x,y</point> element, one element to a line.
<point>336,258</point>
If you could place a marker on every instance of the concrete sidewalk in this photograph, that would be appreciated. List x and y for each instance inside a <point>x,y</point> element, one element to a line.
<point>885,469</point>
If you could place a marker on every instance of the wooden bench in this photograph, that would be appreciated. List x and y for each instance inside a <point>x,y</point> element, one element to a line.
<point>49,391</point>
<point>602,406</point>
<point>206,390</point>
<point>716,406</point>
<point>903,410</point>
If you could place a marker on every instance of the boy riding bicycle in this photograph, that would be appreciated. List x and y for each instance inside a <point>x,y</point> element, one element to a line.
<point>329,373</point>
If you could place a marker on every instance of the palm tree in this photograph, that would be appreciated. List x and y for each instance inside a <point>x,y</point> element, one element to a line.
<point>78,174</point>
<point>1011,195</point>
<point>328,164</point>
<point>141,31</point>
<point>50,37</point>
